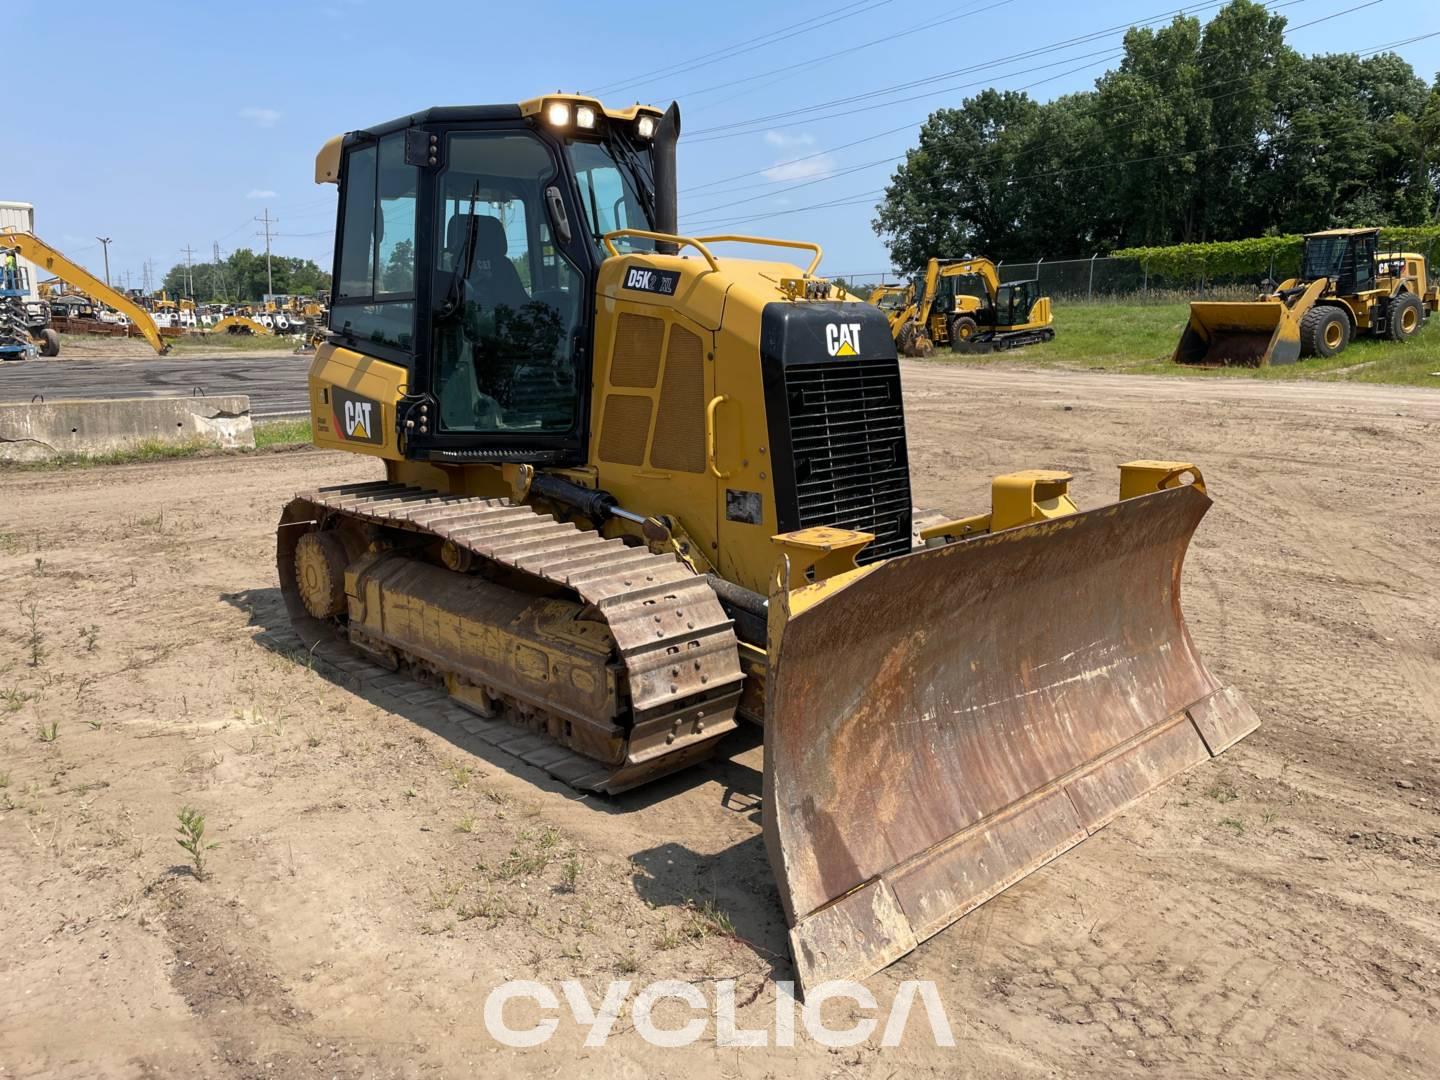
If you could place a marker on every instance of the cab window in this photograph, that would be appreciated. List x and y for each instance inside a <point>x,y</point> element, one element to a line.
<point>614,187</point>
<point>375,288</point>
<point>507,300</point>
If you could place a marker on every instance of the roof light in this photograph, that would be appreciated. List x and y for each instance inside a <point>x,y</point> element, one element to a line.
<point>558,113</point>
<point>585,117</point>
<point>645,127</point>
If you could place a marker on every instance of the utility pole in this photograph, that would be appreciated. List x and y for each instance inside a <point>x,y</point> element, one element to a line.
<point>268,221</point>
<point>105,241</point>
<point>189,272</point>
<point>217,281</point>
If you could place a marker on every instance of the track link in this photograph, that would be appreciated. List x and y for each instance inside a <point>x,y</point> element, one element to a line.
<point>675,642</point>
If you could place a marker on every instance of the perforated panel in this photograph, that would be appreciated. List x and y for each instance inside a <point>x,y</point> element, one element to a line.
<point>624,429</point>
<point>680,427</point>
<point>637,350</point>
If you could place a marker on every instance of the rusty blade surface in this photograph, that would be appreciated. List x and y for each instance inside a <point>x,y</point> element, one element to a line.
<point>958,717</point>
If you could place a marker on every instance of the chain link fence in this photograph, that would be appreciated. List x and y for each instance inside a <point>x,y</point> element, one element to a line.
<point>1107,279</point>
<point>1101,279</point>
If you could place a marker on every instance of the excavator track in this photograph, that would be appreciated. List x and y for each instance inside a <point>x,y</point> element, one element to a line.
<point>676,661</point>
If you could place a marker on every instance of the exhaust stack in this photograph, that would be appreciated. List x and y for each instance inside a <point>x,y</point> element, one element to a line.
<point>667,210</point>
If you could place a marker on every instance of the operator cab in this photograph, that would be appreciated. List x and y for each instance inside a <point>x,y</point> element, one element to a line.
<point>469,243</point>
<point>1014,301</point>
<point>1345,256</point>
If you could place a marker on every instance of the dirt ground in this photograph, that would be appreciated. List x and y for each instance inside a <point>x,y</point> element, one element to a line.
<point>1274,913</point>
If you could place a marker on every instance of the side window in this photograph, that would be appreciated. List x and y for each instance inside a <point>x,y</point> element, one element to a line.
<point>375,293</point>
<point>395,221</point>
<point>358,228</point>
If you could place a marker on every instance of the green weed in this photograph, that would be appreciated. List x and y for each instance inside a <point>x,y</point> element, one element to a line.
<point>192,838</point>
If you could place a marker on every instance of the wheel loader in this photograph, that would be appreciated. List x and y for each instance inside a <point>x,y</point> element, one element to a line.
<point>1346,287</point>
<point>961,303</point>
<point>632,493</point>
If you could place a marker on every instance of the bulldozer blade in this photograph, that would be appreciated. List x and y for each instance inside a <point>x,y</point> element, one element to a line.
<point>1239,334</point>
<point>948,721</point>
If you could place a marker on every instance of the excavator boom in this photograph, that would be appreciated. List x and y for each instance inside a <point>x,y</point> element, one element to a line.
<point>43,255</point>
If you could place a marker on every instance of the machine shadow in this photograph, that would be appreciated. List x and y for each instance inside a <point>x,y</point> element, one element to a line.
<point>735,880</point>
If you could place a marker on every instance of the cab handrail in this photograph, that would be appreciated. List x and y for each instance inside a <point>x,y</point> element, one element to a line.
<point>699,243</point>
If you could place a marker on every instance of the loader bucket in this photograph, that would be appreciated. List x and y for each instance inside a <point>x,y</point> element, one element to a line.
<point>941,724</point>
<point>1239,334</point>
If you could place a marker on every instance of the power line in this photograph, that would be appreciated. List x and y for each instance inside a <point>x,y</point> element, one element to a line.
<point>863,197</point>
<point>729,52</point>
<point>1093,115</point>
<point>794,68</point>
<point>894,157</point>
<point>1056,46</point>
<point>728,131</point>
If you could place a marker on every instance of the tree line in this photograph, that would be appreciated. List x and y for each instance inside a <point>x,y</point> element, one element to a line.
<point>1202,133</point>
<point>241,277</point>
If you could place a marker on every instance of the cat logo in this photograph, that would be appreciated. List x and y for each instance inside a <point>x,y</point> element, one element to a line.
<point>358,417</point>
<point>842,339</point>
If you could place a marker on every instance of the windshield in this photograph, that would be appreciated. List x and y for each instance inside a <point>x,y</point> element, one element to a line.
<point>1324,256</point>
<point>617,189</point>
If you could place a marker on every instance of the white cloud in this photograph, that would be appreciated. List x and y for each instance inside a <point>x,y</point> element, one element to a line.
<point>259,193</point>
<point>810,168</point>
<point>265,118</point>
<point>796,165</point>
<point>779,138</point>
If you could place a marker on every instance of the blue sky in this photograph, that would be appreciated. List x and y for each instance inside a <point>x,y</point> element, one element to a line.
<point>167,124</point>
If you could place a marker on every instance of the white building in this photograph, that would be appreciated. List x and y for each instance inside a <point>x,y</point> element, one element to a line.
<point>20,216</point>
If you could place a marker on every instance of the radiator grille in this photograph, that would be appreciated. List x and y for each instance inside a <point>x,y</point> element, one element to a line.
<point>636,361</point>
<point>625,429</point>
<point>680,423</point>
<point>847,435</point>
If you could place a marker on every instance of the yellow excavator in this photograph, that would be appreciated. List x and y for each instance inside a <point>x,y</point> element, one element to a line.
<point>632,492</point>
<point>34,249</point>
<point>961,303</point>
<point>1346,287</point>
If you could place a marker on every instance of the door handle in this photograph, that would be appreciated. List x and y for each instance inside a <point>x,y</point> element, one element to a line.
<point>711,437</point>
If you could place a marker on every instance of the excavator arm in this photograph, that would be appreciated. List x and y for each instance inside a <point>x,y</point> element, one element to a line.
<point>43,255</point>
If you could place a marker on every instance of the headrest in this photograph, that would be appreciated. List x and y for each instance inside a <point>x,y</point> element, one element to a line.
<point>490,240</point>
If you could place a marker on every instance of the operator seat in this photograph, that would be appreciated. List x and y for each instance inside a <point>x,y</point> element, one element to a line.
<point>494,282</point>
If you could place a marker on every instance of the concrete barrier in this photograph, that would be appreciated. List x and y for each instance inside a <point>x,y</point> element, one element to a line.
<point>41,431</point>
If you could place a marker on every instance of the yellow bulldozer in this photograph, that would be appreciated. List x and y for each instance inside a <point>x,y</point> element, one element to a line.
<point>1346,287</point>
<point>961,303</point>
<point>633,493</point>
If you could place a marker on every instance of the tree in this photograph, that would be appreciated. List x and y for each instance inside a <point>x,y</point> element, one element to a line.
<point>1210,132</point>
<point>241,277</point>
